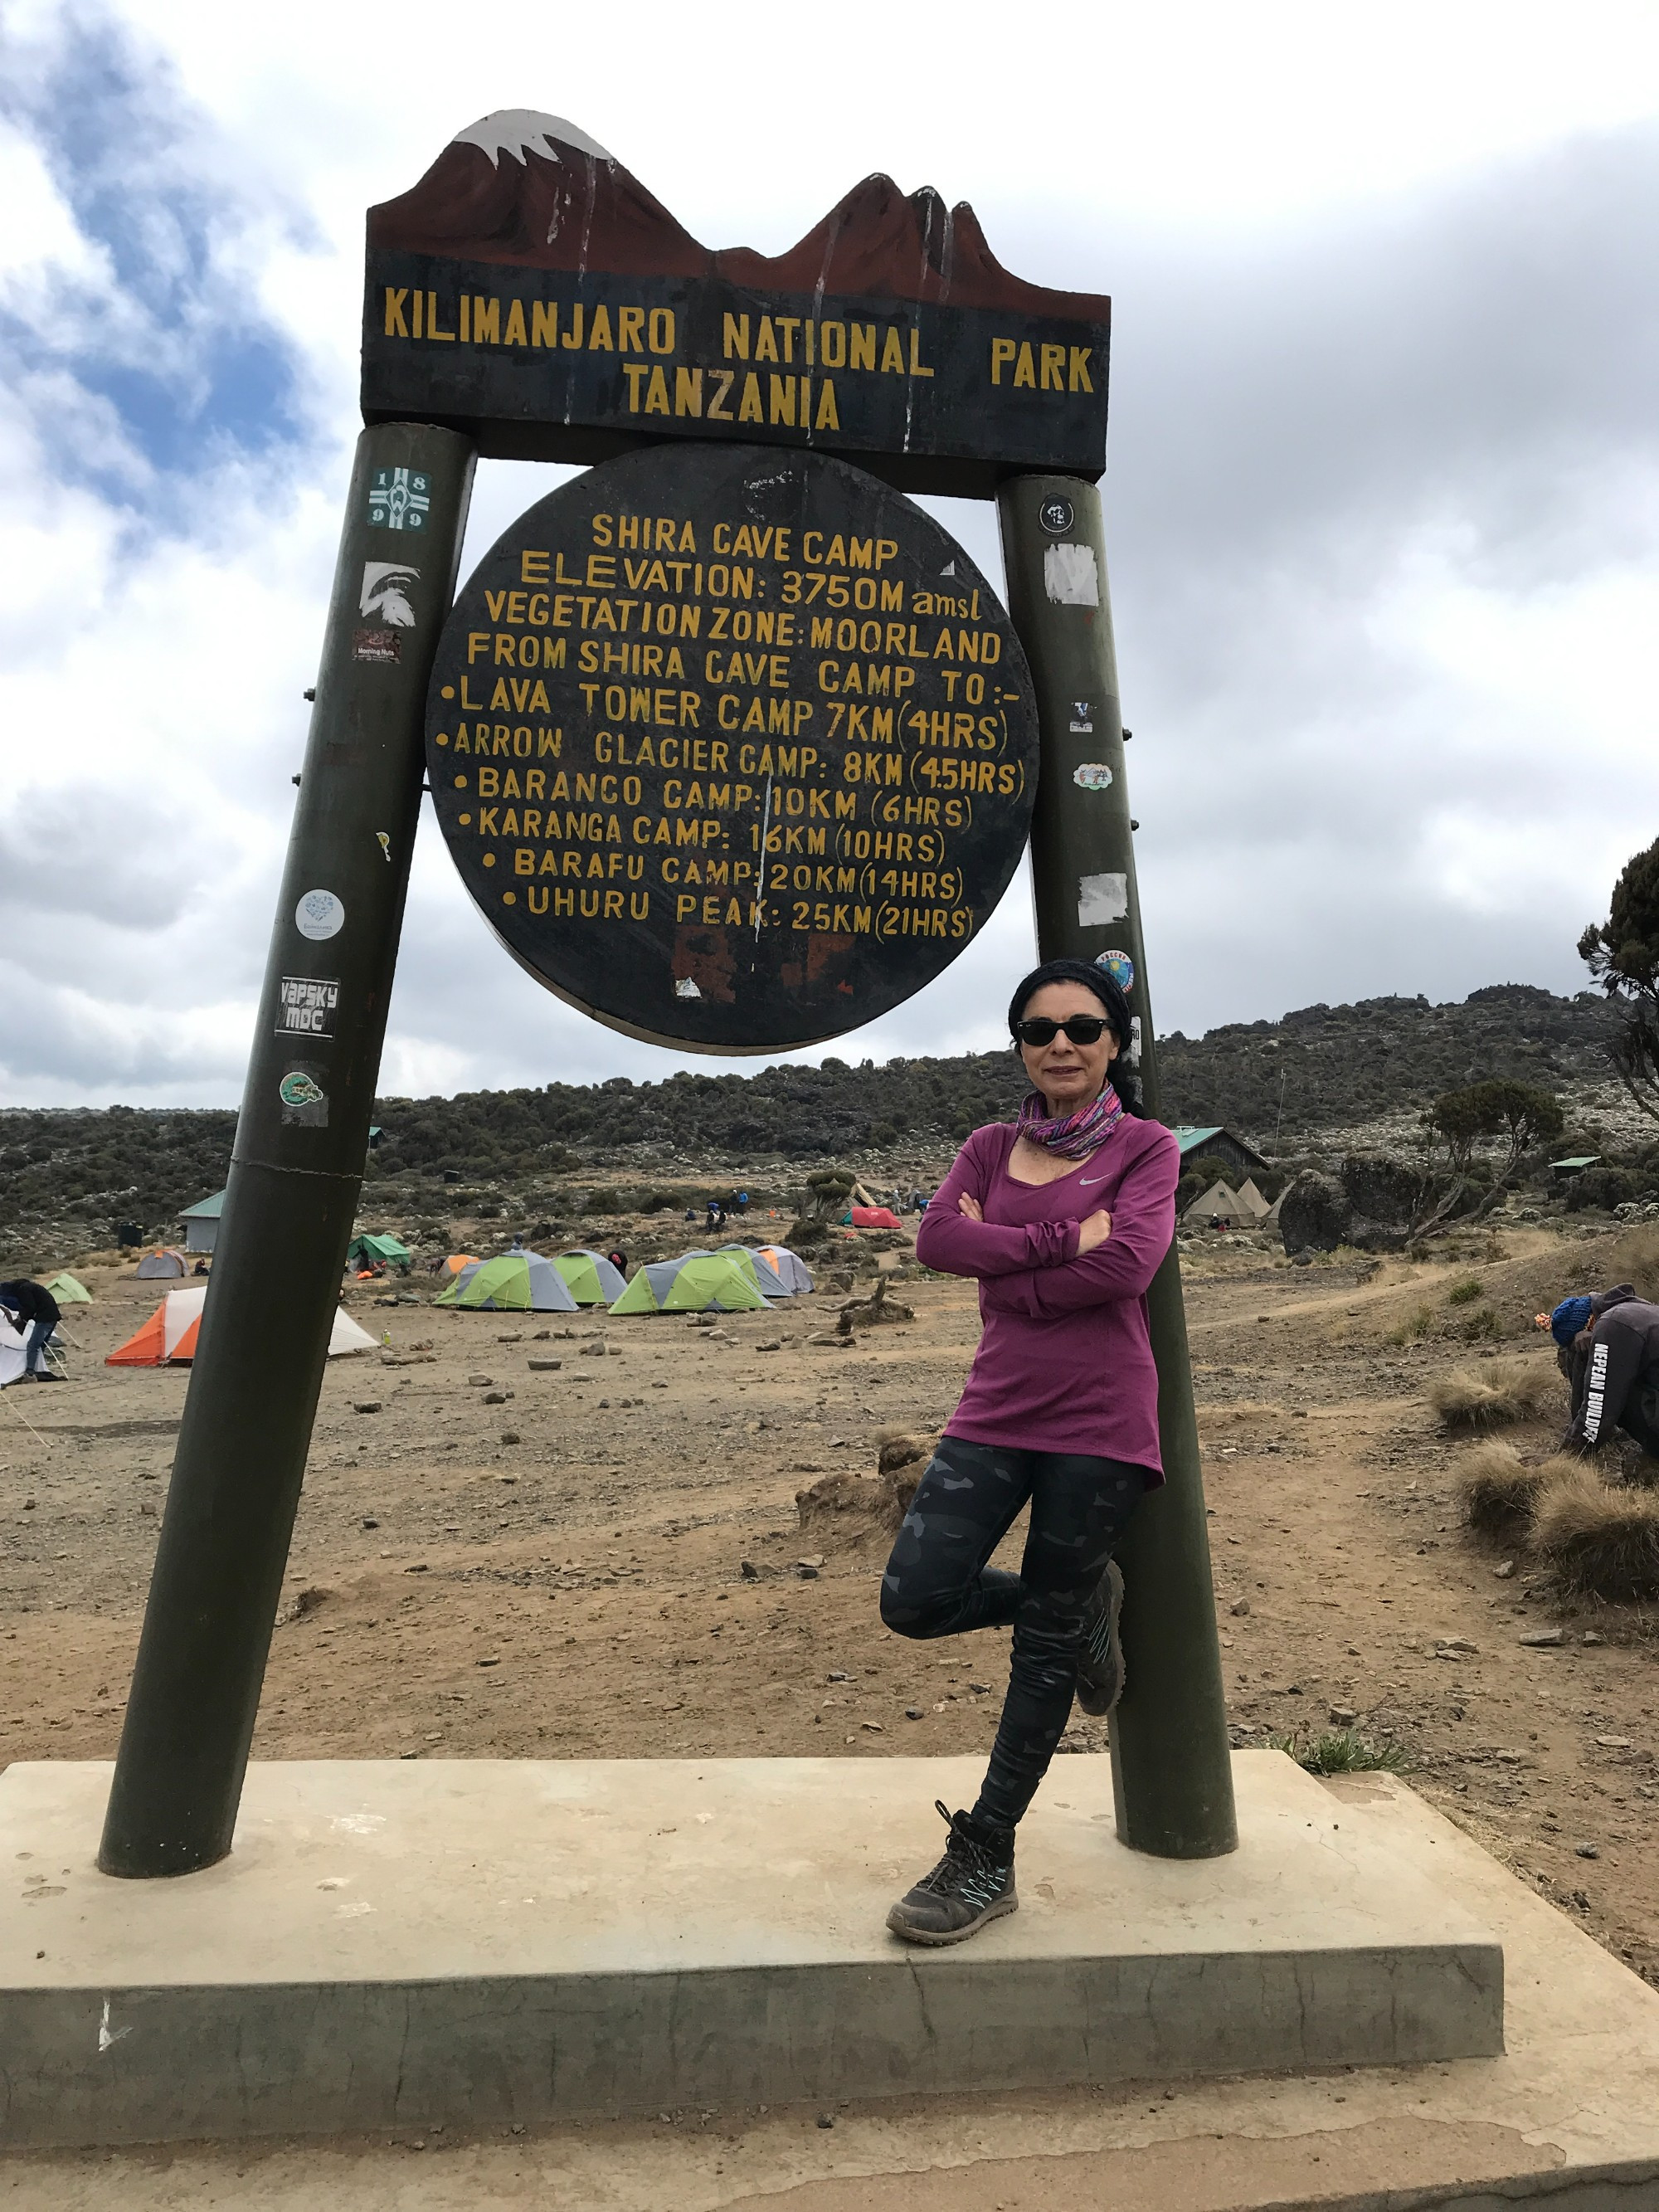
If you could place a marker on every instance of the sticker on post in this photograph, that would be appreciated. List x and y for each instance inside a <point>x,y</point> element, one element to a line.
<point>685,987</point>
<point>383,592</point>
<point>382,645</point>
<point>1101,898</point>
<point>399,499</point>
<point>1120,968</point>
<point>1092,776</point>
<point>305,1101</point>
<point>1070,575</point>
<point>319,914</point>
<point>1056,516</point>
<point>305,1006</point>
<point>1083,720</point>
<point>1132,1055</point>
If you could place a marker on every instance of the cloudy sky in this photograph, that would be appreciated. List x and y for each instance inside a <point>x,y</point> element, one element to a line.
<point>1381,502</point>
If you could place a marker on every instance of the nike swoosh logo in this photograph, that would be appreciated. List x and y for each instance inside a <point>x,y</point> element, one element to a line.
<point>1091,1179</point>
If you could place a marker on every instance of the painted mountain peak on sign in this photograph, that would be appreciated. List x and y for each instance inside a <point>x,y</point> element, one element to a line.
<point>532,191</point>
<point>514,130</point>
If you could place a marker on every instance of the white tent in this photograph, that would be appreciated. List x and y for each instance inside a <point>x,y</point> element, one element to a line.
<point>168,1337</point>
<point>1219,1203</point>
<point>12,1349</point>
<point>1251,1200</point>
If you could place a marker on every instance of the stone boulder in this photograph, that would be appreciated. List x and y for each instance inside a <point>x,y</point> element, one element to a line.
<point>1314,1213</point>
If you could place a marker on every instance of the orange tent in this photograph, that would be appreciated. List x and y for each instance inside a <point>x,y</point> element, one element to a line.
<point>457,1261</point>
<point>168,1338</point>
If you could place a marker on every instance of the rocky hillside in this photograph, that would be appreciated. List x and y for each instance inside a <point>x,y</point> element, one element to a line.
<point>75,1174</point>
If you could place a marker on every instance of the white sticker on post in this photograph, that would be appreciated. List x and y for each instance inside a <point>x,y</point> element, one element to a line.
<point>1101,898</point>
<point>1070,576</point>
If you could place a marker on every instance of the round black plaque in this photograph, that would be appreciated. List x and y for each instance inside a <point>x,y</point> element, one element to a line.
<point>735,748</point>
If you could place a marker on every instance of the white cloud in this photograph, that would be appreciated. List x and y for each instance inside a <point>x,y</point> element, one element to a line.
<point>1382,502</point>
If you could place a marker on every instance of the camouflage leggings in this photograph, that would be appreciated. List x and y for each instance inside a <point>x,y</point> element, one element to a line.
<point>938,1584</point>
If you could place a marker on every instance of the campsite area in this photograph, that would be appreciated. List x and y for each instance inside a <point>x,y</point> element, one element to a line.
<point>605,1558</point>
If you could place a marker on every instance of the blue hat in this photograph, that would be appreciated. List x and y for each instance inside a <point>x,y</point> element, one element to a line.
<point>1569,1317</point>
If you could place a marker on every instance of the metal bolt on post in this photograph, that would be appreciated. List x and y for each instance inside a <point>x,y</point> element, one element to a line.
<point>1171,1766</point>
<point>297,1166</point>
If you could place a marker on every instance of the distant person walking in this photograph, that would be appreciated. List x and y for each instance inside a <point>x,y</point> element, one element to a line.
<point>34,1303</point>
<point>1064,1216</point>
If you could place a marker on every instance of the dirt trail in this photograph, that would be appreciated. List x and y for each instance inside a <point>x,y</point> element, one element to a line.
<point>583,1591</point>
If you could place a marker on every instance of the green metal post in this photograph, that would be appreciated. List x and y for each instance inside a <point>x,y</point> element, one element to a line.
<point>297,1166</point>
<point>1171,1769</point>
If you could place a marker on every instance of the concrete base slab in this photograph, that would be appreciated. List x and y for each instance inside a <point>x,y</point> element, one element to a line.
<point>417,1943</point>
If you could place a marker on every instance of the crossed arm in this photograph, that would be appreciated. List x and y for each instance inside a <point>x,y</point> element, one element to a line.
<point>1050,1267</point>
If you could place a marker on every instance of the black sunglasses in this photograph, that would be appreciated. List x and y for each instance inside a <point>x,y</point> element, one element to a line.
<point>1081,1029</point>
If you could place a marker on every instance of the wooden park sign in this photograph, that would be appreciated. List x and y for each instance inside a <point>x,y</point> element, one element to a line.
<point>532,293</point>
<point>733,748</point>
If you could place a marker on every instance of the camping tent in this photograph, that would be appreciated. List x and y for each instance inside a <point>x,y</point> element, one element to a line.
<point>768,1278</point>
<point>590,1278</point>
<point>875,1216</point>
<point>519,1282</point>
<point>457,1261</point>
<point>365,1251</point>
<point>779,1273</point>
<point>1219,1203</point>
<point>693,1283</point>
<point>165,1259</point>
<point>13,1350</point>
<point>1251,1199</point>
<point>790,1268</point>
<point>168,1337</point>
<point>68,1292</point>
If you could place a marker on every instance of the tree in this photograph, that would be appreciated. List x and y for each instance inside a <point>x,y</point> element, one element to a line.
<point>1499,1107</point>
<point>1622,954</point>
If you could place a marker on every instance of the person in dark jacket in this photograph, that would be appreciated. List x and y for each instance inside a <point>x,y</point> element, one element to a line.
<point>1613,1370</point>
<point>34,1303</point>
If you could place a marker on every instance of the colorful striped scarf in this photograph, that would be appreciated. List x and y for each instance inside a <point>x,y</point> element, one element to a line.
<point>1073,1136</point>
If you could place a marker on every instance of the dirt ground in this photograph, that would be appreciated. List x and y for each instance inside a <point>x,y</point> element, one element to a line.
<point>582,1591</point>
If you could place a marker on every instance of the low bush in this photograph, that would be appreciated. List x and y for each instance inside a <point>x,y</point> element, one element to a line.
<point>1481,1327</point>
<point>1340,1751</point>
<point>1499,1492</point>
<point>1601,1543</point>
<point>1464,1293</point>
<point>1413,1328</point>
<point>1504,1391</point>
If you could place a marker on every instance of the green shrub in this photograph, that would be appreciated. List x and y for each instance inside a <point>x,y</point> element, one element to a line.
<point>1464,1293</point>
<point>1414,1327</point>
<point>1481,1327</point>
<point>1341,1750</point>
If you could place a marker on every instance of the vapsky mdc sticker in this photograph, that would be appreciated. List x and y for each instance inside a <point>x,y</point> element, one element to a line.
<point>399,499</point>
<point>304,1007</point>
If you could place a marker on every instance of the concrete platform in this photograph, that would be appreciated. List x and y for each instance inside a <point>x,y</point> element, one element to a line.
<point>469,1944</point>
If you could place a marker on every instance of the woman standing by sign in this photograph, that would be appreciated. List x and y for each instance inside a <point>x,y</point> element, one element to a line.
<point>1064,1216</point>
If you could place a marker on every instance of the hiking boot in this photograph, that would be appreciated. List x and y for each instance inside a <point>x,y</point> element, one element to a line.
<point>974,1882</point>
<point>1100,1663</point>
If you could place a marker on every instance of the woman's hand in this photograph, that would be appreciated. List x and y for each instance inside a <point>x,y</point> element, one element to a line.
<point>969,1208</point>
<point>1094,1229</point>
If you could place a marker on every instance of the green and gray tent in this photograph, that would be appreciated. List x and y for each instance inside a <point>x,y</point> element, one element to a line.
<point>519,1282</point>
<point>779,1273</point>
<point>68,1292</point>
<point>389,1248</point>
<point>591,1279</point>
<point>692,1284</point>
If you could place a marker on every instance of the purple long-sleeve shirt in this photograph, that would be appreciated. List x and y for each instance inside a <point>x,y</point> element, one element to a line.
<point>1065,1363</point>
